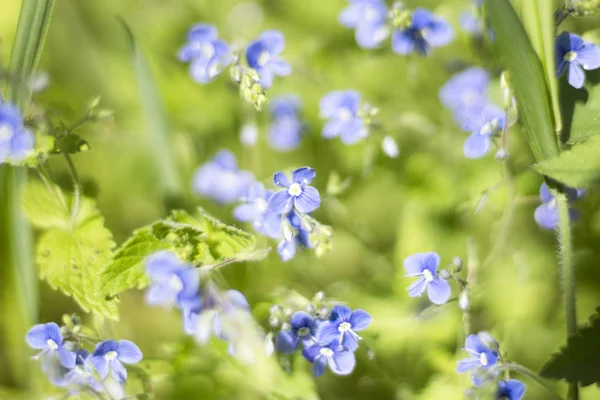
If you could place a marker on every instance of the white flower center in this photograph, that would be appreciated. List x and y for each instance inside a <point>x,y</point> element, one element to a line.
<point>327,352</point>
<point>208,50</point>
<point>6,132</point>
<point>483,359</point>
<point>111,355</point>
<point>295,189</point>
<point>261,205</point>
<point>428,275</point>
<point>552,204</point>
<point>51,344</point>
<point>344,114</point>
<point>175,283</point>
<point>370,14</point>
<point>264,58</point>
<point>570,56</point>
<point>344,327</point>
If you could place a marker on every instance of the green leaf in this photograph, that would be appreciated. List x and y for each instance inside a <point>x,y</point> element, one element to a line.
<point>526,74</point>
<point>585,109</point>
<point>577,167</point>
<point>579,360</point>
<point>45,207</point>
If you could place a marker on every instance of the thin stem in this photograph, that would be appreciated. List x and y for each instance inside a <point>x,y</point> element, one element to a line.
<point>529,373</point>
<point>565,242</point>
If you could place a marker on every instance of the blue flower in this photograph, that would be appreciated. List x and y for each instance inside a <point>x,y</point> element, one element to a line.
<point>16,141</point>
<point>254,209</point>
<point>297,194</point>
<point>173,282</point>
<point>466,93</point>
<point>76,376</point>
<point>207,55</point>
<point>424,266</point>
<point>546,214</point>
<point>341,361</point>
<point>109,356</point>
<point>221,180</point>
<point>263,55</point>
<point>299,238</point>
<point>47,337</point>
<point>342,326</point>
<point>576,55</point>
<point>303,330</point>
<point>482,355</point>
<point>425,32</point>
<point>470,23</point>
<point>369,18</point>
<point>483,126</point>
<point>510,389</point>
<point>341,108</point>
<point>286,128</point>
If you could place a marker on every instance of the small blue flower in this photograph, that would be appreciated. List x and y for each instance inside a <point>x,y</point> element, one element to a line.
<point>207,55</point>
<point>482,355</point>
<point>221,180</point>
<point>109,356</point>
<point>297,194</point>
<point>341,108</point>
<point>546,214</point>
<point>47,337</point>
<point>576,55</point>
<point>303,330</point>
<point>263,55</point>
<point>70,377</point>
<point>286,128</point>
<point>300,238</point>
<point>16,141</point>
<point>254,209</point>
<point>470,23</point>
<point>424,266</point>
<point>342,326</point>
<point>466,93</point>
<point>483,126</point>
<point>425,32</point>
<point>510,389</point>
<point>340,360</point>
<point>173,282</point>
<point>370,19</point>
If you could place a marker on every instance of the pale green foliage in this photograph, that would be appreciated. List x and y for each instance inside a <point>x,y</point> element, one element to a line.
<point>71,253</point>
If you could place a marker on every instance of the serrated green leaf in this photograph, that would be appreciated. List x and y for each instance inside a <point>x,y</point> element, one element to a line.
<point>579,361</point>
<point>45,206</point>
<point>586,113</point>
<point>577,167</point>
<point>225,241</point>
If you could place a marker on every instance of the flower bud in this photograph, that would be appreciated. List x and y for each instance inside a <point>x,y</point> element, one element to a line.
<point>286,230</point>
<point>463,300</point>
<point>444,274</point>
<point>390,147</point>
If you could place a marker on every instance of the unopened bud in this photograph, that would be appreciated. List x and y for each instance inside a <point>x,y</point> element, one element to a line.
<point>463,300</point>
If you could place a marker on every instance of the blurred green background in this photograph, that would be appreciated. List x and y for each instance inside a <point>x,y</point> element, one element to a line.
<point>424,200</point>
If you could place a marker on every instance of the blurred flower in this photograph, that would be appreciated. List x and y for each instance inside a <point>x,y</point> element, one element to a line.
<point>341,108</point>
<point>294,235</point>
<point>16,141</point>
<point>286,128</point>
<point>47,337</point>
<point>510,389</point>
<point>342,326</point>
<point>110,354</point>
<point>470,23</point>
<point>546,214</point>
<point>263,55</point>
<point>369,18</point>
<point>249,134</point>
<point>254,209</point>
<point>465,94</point>
<point>70,377</point>
<point>173,282</point>
<point>207,55</point>
<point>483,126</point>
<point>424,266</point>
<point>340,360</point>
<point>482,355</point>
<point>576,55</point>
<point>424,32</point>
<point>221,180</point>
<point>303,330</point>
<point>390,147</point>
<point>297,194</point>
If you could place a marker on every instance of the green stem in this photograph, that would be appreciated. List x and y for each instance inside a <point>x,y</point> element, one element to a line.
<point>565,242</point>
<point>527,372</point>
<point>77,188</point>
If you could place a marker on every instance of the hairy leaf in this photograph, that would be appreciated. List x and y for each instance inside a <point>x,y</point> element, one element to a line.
<point>579,361</point>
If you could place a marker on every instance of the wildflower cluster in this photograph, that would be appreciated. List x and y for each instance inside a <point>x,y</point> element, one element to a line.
<point>328,336</point>
<point>412,31</point>
<point>68,364</point>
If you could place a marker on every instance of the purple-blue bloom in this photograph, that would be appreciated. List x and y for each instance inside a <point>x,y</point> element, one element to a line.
<point>424,266</point>
<point>575,55</point>
<point>263,55</point>
<point>470,23</point>
<point>76,376</point>
<point>465,93</point>
<point>425,32</point>
<point>341,109</point>
<point>47,337</point>
<point>286,128</point>
<point>483,126</point>
<point>297,194</point>
<point>173,282</point>
<point>206,53</point>
<point>16,141</point>
<point>510,389</point>
<point>110,355</point>
<point>342,326</point>
<point>370,19</point>
<point>546,214</point>
<point>221,180</point>
<point>481,355</point>
<point>303,330</point>
<point>340,360</point>
<point>299,238</point>
<point>254,209</point>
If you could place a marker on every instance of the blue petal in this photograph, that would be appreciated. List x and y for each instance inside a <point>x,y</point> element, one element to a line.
<point>312,352</point>
<point>328,332</point>
<point>354,131</point>
<point>104,347</point>
<point>203,32</point>
<point>280,202</point>
<point>438,33</point>
<point>431,261</point>
<point>37,337</point>
<point>477,145</point>
<point>266,76</point>
<point>360,320</point>
<point>589,56</point>
<point>129,352</point>
<point>67,358</point>
<point>512,388</point>
<point>285,133</point>
<point>189,292</point>
<point>280,179</point>
<point>576,75</point>
<point>100,365</point>
<point>286,342</point>
<point>161,266</point>
<point>340,314</point>
<point>286,250</point>
<point>118,371</point>
<point>285,105</point>
<point>473,344</point>
<point>253,53</point>
<point>351,15</point>
<point>349,342</point>
<point>159,294</point>
<point>199,70</point>
<point>304,175</point>
<point>308,201</point>
<point>342,363</point>
<point>319,366</point>
<point>370,36</point>
<point>246,212</point>
<point>545,195</point>
<point>280,67</point>
<point>467,364</point>
<point>546,216</point>
<point>273,41</point>
<point>413,264</point>
<point>225,159</point>
<point>332,128</point>
<point>236,299</point>
<point>422,18</point>
<point>21,144</point>
<point>403,42</point>
<point>331,103</point>
<point>300,319</point>
<point>270,225</point>
<point>417,287</point>
<point>438,291</point>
